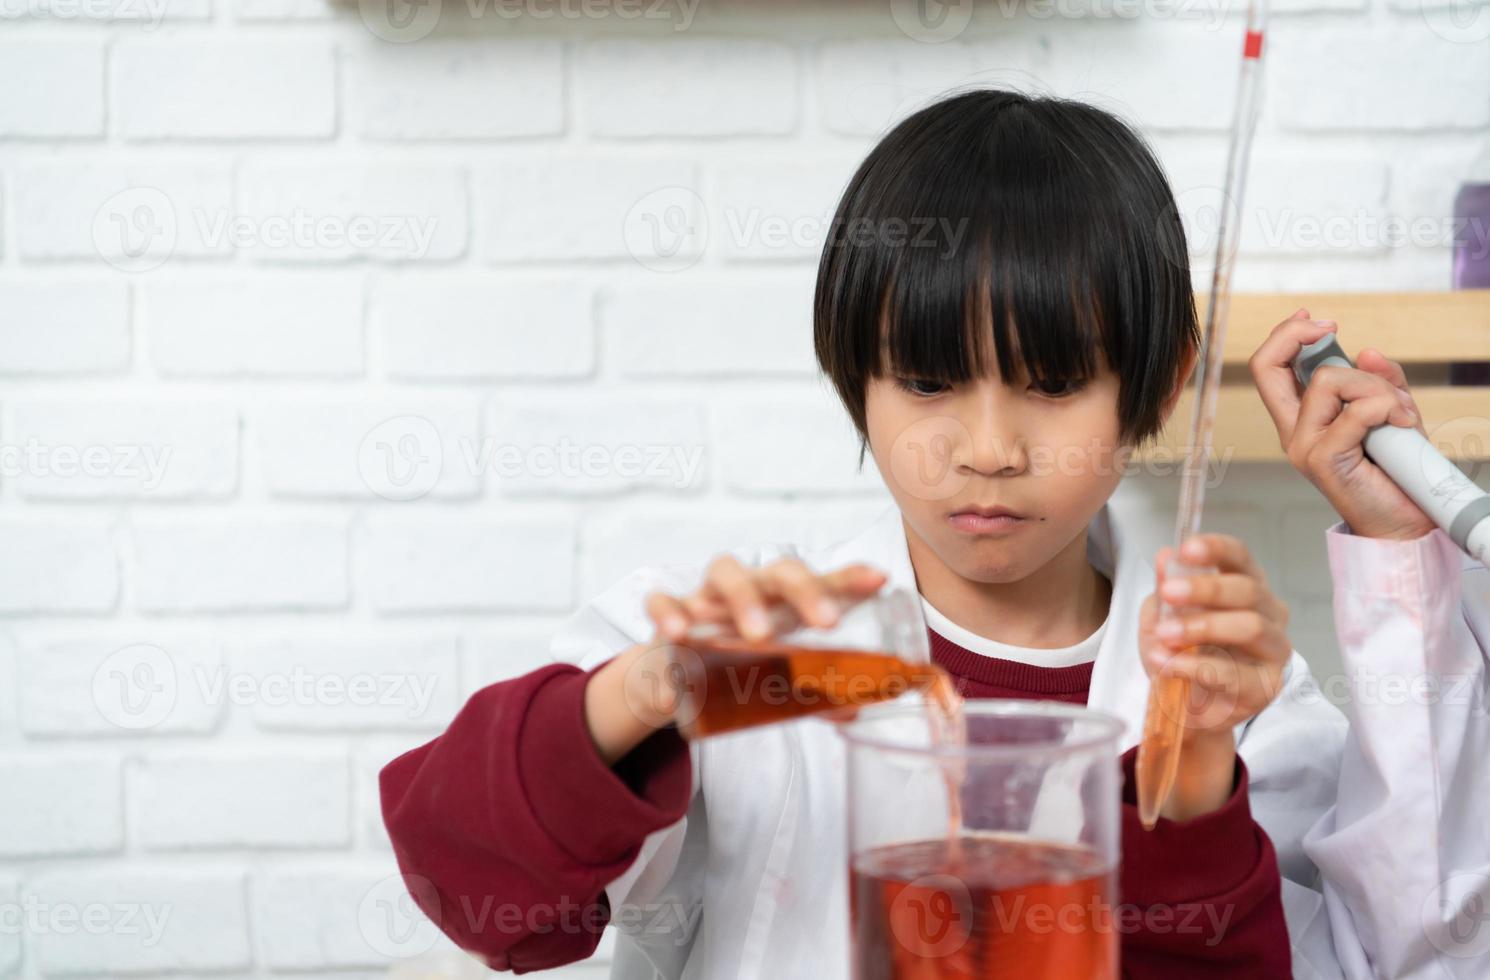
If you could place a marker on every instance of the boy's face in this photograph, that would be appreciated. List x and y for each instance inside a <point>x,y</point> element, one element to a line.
<point>1050,452</point>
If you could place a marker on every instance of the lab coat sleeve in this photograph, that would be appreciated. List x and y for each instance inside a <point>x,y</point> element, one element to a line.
<point>1404,851</point>
<point>1292,750</point>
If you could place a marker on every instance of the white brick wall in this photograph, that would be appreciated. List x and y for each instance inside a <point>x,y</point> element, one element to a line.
<point>406,307</point>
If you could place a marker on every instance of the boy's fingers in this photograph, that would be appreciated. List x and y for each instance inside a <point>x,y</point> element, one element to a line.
<point>1219,683</point>
<point>793,581</point>
<point>1346,433</point>
<point>1231,590</point>
<point>1331,390</point>
<point>669,614</point>
<point>1271,366</point>
<point>855,581</point>
<point>1148,613</point>
<point>1224,551</point>
<point>1379,364</point>
<point>739,590</point>
<point>707,606</point>
<point>1247,630</point>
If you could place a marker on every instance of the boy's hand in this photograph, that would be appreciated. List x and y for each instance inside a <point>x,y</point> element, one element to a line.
<point>1228,635</point>
<point>636,693</point>
<point>1322,431</point>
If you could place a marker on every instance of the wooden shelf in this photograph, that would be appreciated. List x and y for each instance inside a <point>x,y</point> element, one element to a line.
<point>1412,328</point>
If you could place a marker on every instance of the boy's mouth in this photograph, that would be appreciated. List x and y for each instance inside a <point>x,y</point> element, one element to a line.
<point>985,520</point>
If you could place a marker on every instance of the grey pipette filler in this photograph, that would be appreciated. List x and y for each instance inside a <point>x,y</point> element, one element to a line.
<point>1436,485</point>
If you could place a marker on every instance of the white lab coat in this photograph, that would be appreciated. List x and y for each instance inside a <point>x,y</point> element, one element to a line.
<point>757,870</point>
<point>1405,850</point>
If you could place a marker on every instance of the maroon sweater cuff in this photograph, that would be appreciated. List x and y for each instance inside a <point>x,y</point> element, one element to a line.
<point>1201,894</point>
<point>1191,860</point>
<point>568,784</point>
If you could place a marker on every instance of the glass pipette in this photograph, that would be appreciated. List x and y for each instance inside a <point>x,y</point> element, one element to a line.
<point>1164,724</point>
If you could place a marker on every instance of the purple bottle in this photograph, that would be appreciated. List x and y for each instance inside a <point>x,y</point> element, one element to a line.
<point>1472,252</point>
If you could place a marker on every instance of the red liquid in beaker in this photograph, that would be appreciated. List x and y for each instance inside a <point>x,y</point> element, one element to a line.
<point>983,907</point>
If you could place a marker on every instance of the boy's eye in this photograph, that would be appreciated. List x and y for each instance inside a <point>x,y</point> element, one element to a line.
<point>1056,387</point>
<point>920,386</point>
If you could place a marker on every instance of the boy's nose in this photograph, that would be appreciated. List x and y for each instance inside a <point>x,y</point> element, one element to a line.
<point>996,448</point>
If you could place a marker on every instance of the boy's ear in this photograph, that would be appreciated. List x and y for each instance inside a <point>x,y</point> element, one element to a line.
<point>1187,365</point>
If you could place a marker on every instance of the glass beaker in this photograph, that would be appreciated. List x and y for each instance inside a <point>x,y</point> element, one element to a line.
<point>994,858</point>
<point>878,650</point>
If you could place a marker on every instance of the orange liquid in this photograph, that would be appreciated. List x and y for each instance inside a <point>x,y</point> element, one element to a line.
<point>728,683</point>
<point>982,908</point>
<point>1158,761</point>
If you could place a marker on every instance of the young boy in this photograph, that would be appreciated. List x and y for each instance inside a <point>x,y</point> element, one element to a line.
<point>999,376</point>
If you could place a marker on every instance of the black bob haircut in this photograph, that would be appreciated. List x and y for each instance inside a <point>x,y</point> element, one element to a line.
<point>1042,225</point>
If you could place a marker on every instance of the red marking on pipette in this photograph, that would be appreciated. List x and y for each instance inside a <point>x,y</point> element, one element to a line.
<point>1253,47</point>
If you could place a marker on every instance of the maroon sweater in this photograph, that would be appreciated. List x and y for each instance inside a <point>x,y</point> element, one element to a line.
<point>509,826</point>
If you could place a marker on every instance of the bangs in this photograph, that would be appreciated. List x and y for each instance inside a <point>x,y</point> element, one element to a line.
<point>996,231</point>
